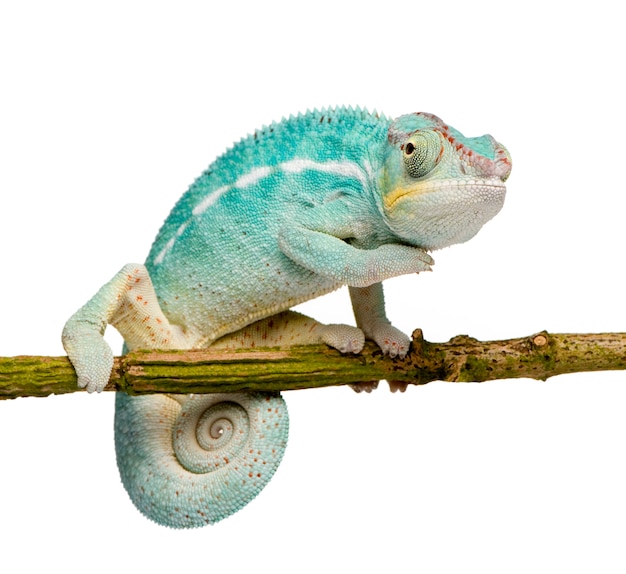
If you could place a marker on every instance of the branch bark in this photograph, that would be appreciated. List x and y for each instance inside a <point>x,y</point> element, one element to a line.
<point>462,359</point>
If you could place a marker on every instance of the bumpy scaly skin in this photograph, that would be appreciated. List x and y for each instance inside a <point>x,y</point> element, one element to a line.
<point>298,209</point>
<point>192,460</point>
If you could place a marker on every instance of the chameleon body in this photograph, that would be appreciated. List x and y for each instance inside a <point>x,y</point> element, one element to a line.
<point>295,210</point>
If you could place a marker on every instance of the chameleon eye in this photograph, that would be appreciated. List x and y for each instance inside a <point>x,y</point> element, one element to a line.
<point>422,154</point>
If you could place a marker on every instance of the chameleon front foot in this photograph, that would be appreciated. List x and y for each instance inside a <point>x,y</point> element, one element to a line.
<point>391,341</point>
<point>369,309</point>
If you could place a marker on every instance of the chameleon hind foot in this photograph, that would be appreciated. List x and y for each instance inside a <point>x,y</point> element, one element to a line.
<point>344,338</point>
<point>395,386</point>
<point>367,386</point>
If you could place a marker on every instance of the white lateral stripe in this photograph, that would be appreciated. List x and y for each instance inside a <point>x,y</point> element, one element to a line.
<point>344,168</point>
<point>164,251</point>
<point>252,177</point>
<point>210,199</point>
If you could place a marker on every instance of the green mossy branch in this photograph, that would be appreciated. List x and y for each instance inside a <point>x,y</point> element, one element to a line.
<point>462,359</point>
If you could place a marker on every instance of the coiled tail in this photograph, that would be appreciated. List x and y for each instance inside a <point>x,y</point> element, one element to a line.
<point>191,460</point>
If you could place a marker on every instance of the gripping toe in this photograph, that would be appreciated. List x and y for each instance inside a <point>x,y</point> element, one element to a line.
<point>344,338</point>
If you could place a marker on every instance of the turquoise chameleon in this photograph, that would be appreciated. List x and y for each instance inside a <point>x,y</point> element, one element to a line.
<point>297,209</point>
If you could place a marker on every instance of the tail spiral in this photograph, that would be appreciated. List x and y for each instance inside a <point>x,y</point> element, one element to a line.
<point>191,460</point>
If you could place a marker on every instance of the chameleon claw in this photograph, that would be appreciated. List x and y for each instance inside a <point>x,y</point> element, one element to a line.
<point>395,349</point>
<point>395,386</point>
<point>367,386</point>
<point>391,341</point>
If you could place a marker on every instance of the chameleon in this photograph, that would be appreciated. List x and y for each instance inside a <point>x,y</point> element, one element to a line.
<point>327,198</point>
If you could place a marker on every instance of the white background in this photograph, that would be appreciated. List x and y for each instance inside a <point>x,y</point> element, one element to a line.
<point>108,114</point>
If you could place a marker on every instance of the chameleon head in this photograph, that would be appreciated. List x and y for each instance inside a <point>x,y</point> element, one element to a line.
<point>439,187</point>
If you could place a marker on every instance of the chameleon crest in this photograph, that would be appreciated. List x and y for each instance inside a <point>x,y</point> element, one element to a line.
<point>297,209</point>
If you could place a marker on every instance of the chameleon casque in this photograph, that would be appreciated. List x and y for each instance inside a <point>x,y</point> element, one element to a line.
<point>297,209</point>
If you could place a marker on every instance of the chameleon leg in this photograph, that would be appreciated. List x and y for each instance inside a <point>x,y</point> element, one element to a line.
<point>335,259</point>
<point>368,304</point>
<point>129,303</point>
<point>291,328</point>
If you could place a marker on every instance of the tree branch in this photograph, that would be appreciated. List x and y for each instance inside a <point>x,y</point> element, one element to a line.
<point>462,359</point>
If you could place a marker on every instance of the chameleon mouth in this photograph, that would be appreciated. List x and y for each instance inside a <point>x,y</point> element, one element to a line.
<point>449,192</point>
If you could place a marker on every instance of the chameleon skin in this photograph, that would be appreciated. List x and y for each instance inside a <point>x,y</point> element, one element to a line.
<point>297,209</point>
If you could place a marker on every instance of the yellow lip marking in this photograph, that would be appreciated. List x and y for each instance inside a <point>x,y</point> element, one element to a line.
<point>423,188</point>
<point>399,192</point>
